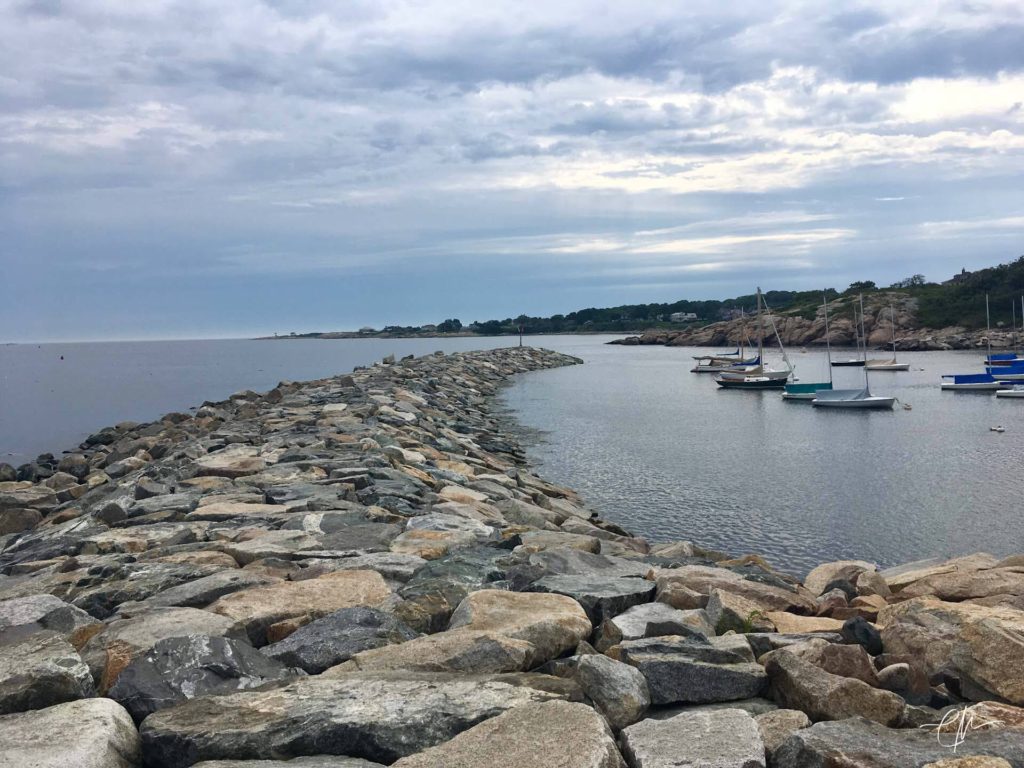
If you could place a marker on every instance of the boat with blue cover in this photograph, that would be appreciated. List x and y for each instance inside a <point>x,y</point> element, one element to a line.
<point>971,382</point>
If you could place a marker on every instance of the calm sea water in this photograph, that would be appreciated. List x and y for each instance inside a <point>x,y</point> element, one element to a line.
<point>663,452</point>
<point>670,455</point>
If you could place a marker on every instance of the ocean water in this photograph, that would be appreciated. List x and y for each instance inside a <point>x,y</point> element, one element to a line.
<point>661,451</point>
<point>670,455</point>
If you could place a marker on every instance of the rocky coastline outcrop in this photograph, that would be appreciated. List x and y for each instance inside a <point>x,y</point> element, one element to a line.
<point>797,330</point>
<point>363,571</point>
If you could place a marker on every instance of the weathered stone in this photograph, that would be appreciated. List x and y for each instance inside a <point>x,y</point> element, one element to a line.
<point>203,591</point>
<point>703,579</point>
<point>233,461</point>
<point>778,725</point>
<point>113,649</point>
<point>552,624</point>
<point>27,496</point>
<point>601,597</point>
<point>459,650</point>
<point>181,668</point>
<point>323,761</point>
<point>376,716</point>
<point>89,733</point>
<point>653,620</point>
<point>537,541</point>
<point>48,612</point>
<point>731,612</point>
<point>258,608</point>
<point>902,575</point>
<point>18,520</point>
<point>691,671</point>
<point>549,733</point>
<point>725,738</point>
<point>860,743</point>
<point>618,690</point>
<point>858,630</point>
<point>39,669</point>
<point>337,637</point>
<point>842,660</point>
<point>822,575</point>
<point>977,761</point>
<point>799,684</point>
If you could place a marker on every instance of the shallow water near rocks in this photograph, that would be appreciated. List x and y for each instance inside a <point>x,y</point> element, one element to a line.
<point>670,455</point>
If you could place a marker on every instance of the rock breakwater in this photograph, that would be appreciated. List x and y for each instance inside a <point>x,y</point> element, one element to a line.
<point>362,571</point>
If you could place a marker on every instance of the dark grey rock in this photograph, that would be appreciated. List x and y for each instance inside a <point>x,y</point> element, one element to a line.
<point>323,761</point>
<point>619,690</point>
<point>763,642</point>
<point>859,630</point>
<point>601,597</point>
<point>860,743</point>
<point>364,537</point>
<point>181,668</point>
<point>337,637</point>
<point>43,612</point>
<point>203,591</point>
<point>691,671</point>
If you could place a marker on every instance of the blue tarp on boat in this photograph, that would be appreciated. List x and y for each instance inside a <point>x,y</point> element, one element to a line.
<point>969,378</point>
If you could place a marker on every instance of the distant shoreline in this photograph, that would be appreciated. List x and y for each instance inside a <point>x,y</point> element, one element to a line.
<point>460,334</point>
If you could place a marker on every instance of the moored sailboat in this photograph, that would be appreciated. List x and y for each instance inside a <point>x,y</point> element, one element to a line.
<point>854,398</point>
<point>808,391</point>
<point>888,365</point>
<point>760,376</point>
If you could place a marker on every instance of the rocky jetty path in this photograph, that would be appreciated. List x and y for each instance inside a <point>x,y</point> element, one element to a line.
<point>362,571</point>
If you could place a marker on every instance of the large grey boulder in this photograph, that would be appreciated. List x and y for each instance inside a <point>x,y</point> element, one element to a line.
<point>458,650</point>
<point>39,669</point>
<point>602,597</point>
<point>377,716</point>
<point>203,591</point>
<point>691,671</point>
<point>724,738</point>
<point>338,637</point>
<point>860,743</point>
<point>617,689</point>
<point>778,725</point>
<point>45,612</point>
<point>799,684</point>
<point>653,620</point>
<point>89,733</point>
<point>549,733</point>
<point>182,668</point>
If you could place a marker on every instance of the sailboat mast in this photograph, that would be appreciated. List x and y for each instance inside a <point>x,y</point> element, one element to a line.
<point>988,330</point>
<point>1013,325</point>
<point>828,340</point>
<point>892,320</point>
<point>760,331</point>
<point>864,335</point>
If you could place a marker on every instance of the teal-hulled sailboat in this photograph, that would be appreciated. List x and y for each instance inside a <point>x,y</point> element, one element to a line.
<point>809,391</point>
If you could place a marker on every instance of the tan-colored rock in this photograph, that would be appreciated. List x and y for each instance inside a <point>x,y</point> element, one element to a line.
<point>554,733</point>
<point>788,623</point>
<point>537,541</point>
<point>848,570</point>
<point>728,611</point>
<point>972,761</point>
<point>431,545</point>
<point>965,585</point>
<point>460,494</point>
<point>778,725</point>
<point>258,608</point>
<point>226,510</point>
<point>460,650</point>
<point>901,576</point>
<point>233,461</point>
<point>703,579</point>
<point>553,624</point>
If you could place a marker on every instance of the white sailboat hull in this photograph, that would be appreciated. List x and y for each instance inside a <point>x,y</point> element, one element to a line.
<point>888,366</point>
<point>988,386</point>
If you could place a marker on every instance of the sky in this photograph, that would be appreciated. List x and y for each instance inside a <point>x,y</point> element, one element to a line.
<point>183,169</point>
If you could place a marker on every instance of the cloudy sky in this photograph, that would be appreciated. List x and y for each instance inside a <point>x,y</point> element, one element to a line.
<point>174,168</point>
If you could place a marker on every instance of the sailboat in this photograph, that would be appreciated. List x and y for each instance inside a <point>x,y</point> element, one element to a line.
<point>888,365</point>
<point>759,376</point>
<point>1009,358</point>
<point>854,398</point>
<point>808,391</point>
<point>978,382</point>
<point>727,361</point>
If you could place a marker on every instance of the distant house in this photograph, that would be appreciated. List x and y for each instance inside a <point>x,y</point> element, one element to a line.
<point>367,329</point>
<point>964,275</point>
<point>682,317</point>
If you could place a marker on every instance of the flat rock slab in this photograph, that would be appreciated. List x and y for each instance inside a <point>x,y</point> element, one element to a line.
<point>182,668</point>
<point>680,670</point>
<point>859,743</point>
<point>724,738</point>
<point>376,716</point>
<point>338,637</point>
<point>89,733</point>
<point>553,624</point>
<point>602,597</point>
<point>45,612</point>
<point>554,733</point>
<point>458,650</point>
<point>654,620</point>
<point>39,669</point>
<point>258,608</point>
<point>203,591</point>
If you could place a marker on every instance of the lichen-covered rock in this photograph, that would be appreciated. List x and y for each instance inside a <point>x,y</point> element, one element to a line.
<point>88,733</point>
<point>618,690</point>
<point>602,597</point>
<point>39,669</point>
<point>182,668</point>
<point>376,716</point>
<point>257,608</point>
<point>549,733</point>
<point>724,738</point>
